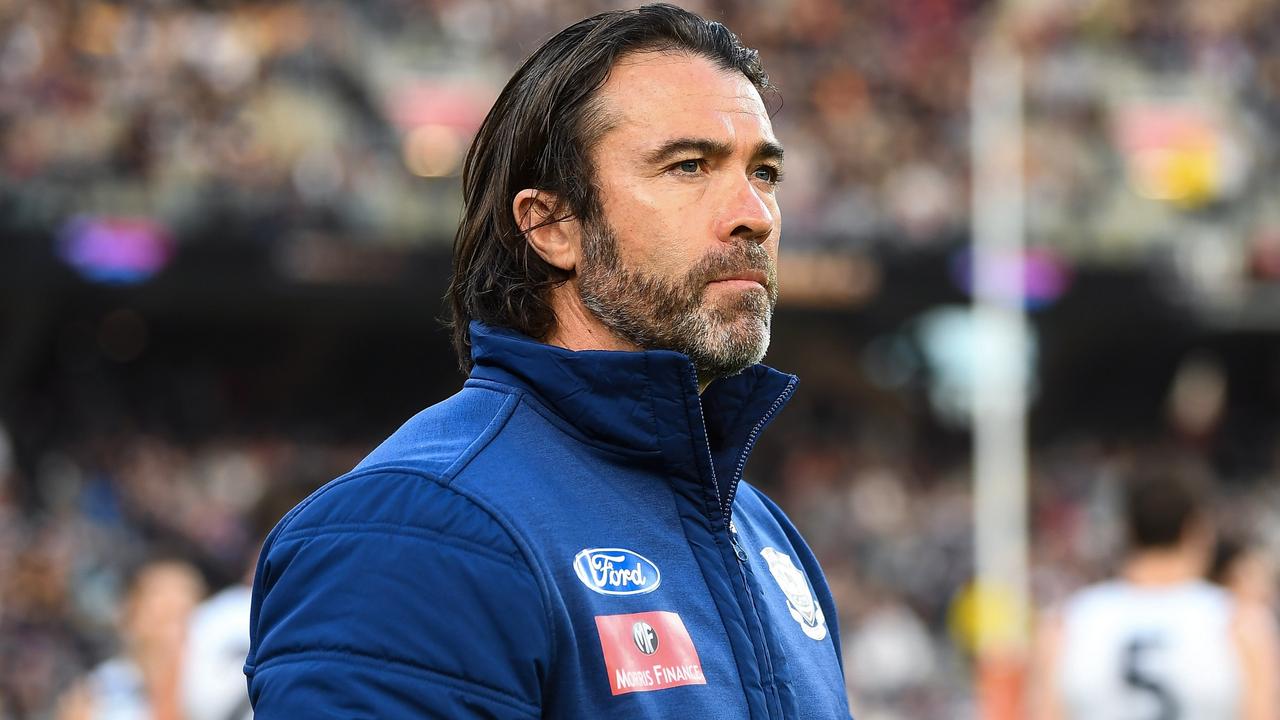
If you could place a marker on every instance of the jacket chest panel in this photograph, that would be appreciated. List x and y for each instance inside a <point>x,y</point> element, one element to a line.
<point>640,632</point>
<point>797,629</point>
<point>655,616</point>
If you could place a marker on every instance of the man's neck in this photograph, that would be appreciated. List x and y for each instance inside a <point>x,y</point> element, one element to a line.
<point>1156,568</point>
<point>577,328</point>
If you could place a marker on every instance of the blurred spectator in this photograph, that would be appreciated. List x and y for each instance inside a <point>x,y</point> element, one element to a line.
<point>890,661</point>
<point>142,681</point>
<point>1246,569</point>
<point>104,504</point>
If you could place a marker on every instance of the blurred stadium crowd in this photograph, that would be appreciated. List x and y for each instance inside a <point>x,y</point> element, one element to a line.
<point>890,521</point>
<point>1152,138</point>
<point>352,118</point>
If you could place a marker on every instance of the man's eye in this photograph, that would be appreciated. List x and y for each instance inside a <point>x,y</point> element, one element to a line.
<point>689,166</point>
<point>768,174</point>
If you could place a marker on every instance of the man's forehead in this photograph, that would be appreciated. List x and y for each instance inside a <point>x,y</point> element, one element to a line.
<point>677,93</point>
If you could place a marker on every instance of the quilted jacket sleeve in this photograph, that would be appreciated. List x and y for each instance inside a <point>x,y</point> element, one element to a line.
<point>390,595</point>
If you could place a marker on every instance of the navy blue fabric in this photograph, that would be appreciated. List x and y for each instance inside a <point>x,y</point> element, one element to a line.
<point>436,580</point>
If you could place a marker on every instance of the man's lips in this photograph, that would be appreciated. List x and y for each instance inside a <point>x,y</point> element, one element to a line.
<point>756,277</point>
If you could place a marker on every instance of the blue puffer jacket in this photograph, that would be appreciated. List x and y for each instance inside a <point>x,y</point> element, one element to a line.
<point>564,538</point>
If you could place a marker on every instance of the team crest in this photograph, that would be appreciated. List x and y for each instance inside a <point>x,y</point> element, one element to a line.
<point>795,586</point>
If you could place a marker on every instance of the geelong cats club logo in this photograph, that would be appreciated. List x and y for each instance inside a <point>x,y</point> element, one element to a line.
<point>799,598</point>
<point>615,571</point>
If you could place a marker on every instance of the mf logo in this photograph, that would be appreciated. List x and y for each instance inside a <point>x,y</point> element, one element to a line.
<point>645,637</point>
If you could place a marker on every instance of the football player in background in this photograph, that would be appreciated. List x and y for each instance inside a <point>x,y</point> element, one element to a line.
<point>1158,642</point>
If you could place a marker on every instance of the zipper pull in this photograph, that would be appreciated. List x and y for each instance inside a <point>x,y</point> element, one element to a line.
<point>733,542</point>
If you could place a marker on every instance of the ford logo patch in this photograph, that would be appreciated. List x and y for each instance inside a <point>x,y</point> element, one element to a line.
<point>615,571</point>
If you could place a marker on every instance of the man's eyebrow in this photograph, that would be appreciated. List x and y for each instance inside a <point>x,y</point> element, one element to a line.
<point>768,150</point>
<point>706,147</point>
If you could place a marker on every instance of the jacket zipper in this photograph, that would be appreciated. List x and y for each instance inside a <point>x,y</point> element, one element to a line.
<point>751,442</point>
<point>726,509</point>
<point>741,556</point>
<point>726,503</point>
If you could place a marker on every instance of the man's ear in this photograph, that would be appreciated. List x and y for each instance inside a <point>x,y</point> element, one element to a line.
<point>556,240</point>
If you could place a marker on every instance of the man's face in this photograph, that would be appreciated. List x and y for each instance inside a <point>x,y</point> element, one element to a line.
<point>683,255</point>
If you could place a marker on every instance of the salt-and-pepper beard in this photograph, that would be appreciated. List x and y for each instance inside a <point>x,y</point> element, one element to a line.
<point>656,313</point>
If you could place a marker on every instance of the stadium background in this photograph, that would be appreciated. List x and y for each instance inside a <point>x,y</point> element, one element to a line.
<point>225,230</point>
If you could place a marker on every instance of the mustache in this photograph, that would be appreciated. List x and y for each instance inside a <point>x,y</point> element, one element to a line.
<point>733,260</point>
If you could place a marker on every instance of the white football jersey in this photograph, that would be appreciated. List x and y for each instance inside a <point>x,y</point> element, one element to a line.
<point>213,685</point>
<point>1143,653</point>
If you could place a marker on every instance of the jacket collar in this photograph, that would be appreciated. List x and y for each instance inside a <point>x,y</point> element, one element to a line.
<point>644,401</point>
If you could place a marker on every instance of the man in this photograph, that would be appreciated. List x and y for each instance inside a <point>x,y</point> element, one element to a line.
<point>569,536</point>
<point>142,680</point>
<point>1159,642</point>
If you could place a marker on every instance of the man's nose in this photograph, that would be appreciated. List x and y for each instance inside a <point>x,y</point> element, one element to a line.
<point>746,214</point>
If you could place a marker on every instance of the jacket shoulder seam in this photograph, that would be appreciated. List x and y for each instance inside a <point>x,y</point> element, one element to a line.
<point>404,667</point>
<point>531,564</point>
<point>486,436</point>
<point>481,440</point>
<point>444,479</point>
<point>286,530</point>
<point>415,532</point>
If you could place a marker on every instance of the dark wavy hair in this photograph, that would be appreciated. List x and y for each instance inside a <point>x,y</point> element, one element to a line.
<point>539,134</point>
<point>1161,502</point>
